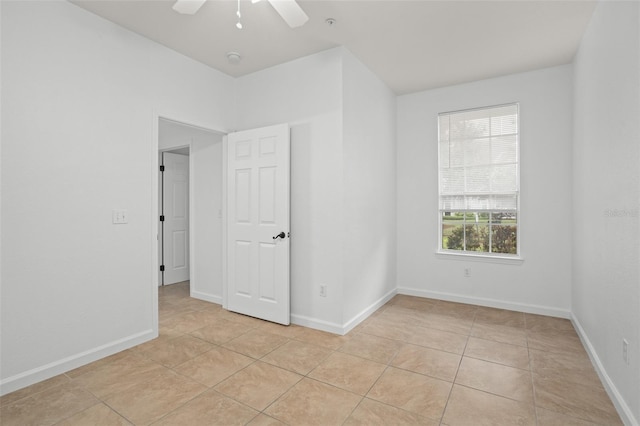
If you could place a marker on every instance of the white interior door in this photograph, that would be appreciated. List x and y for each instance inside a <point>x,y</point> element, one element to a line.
<point>258,223</point>
<point>175,200</point>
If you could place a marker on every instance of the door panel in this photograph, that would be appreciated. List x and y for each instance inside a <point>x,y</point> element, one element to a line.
<point>258,210</point>
<point>176,217</point>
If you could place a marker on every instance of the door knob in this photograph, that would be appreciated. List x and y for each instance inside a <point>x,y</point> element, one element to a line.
<point>280,235</point>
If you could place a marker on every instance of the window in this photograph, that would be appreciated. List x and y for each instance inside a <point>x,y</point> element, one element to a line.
<point>478,168</point>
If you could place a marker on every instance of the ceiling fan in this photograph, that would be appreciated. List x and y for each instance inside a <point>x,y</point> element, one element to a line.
<point>290,10</point>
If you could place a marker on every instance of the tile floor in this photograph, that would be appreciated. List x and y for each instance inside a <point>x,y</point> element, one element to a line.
<point>415,361</point>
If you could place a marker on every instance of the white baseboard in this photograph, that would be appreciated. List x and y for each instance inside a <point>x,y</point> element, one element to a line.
<point>317,324</point>
<point>366,313</point>
<point>55,368</point>
<point>206,297</point>
<point>618,401</point>
<point>490,303</point>
<point>342,329</point>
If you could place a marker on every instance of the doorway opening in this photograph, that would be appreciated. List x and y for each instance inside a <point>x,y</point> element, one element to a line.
<point>190,207</point>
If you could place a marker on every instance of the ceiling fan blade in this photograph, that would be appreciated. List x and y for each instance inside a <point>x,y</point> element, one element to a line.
<point>290,11</point>
<point>188,7</point>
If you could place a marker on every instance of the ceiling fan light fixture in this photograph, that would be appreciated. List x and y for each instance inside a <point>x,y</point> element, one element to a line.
<point>188,7</point>
<point>239,24</point>
<point>234,58</point>
<point>289,10</point>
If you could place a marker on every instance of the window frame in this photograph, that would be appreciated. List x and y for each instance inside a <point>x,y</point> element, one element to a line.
<point>481,255</point>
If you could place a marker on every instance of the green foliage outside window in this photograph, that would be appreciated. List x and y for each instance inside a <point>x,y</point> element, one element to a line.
<point>459,234</point>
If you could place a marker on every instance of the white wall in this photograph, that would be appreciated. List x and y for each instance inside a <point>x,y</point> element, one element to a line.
<point>206,208</point>
<point>342,121</point>
<point>369,229</point>
<point>79,99</point>
<point>307,94</point>
<point>542,282</point>
<point>205,164</point>
<point>606,179</point>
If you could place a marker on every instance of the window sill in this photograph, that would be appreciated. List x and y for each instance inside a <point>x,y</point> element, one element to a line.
<point>507,260</point>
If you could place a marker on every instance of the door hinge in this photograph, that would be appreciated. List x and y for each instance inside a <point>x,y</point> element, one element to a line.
<point>161,268</point>
<point>162,168</point>
<point>162,218</point>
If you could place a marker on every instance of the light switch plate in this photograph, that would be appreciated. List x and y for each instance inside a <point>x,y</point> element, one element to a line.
<point>119,216</point>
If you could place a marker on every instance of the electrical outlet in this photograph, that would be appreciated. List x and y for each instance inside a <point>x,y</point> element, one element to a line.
<point>323,290</point>
<point>625,351</point>
<point>467,272</point>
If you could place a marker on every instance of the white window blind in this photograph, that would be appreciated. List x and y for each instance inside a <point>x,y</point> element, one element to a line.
<point>479,183</point>
<point>478,164</point>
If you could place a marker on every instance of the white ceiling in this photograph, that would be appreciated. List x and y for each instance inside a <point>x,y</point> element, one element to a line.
<point>411,45</point>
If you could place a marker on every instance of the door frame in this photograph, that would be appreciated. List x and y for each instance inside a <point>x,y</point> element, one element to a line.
<point>155,212</point>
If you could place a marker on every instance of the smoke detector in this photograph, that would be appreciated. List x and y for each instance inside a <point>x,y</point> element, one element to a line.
<point>234,58</point>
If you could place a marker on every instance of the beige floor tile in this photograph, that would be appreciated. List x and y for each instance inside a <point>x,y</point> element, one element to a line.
<point>221,331</point>
<point>501,353</point>
<point>501,334</point>
<point>264,420</point>
<point>199,305</point>
<point>550,418</point>
<point>498,379</point>
<point>432,362</point>
<point>256,343</point>
<point>402,359</point>
<point>33,389</point>
<point>321,338</point>
<point>299,357</point>
<point>98,415</point>
<point>445,322</point>
<point>174,321</point>
<point>555,341</point>
<point>288,331</point>
<point>430,318</point>
<point>468,407</point>
<point>97,364</point>
<point>348,372</point>
<point>388,327</point>
<point>374,413</point>
<point>212,307</point>
<point>313,403</point>
<point>543,323</point>
<point>147,402</point>
<point>160,341</point>
<point>47,407</point>
<point>164,333</point>
<point>438,339</point>
<point>177,351</point>
<point>120,375</point>
<point>584,402</point>
<point>258,385</point>
<point>570,367</point>
<point>179,288</point>
<point>412,302</point>
<point>239,318</point>
<point>454,309</point>
<point>413,392</point>
<point>404,314</point>
<point>372,347</point>
<point>212,367</point>
<point>502,317</point>
<point>210,408</point>
<point>168,309</point>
